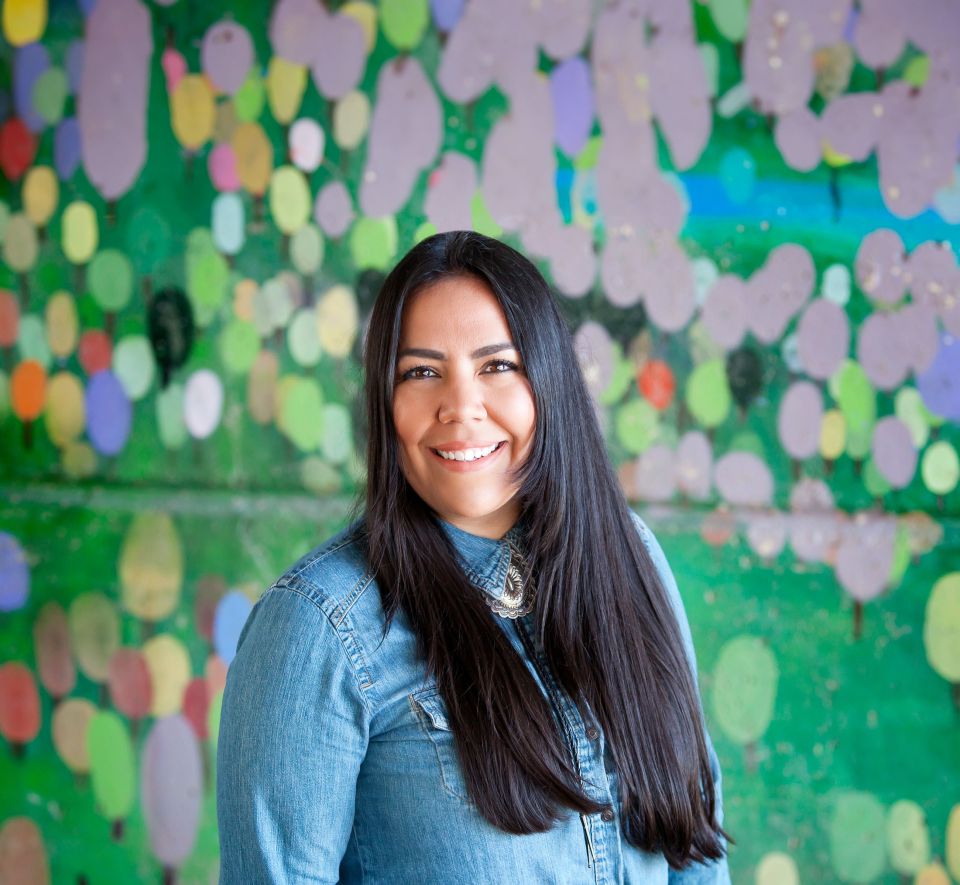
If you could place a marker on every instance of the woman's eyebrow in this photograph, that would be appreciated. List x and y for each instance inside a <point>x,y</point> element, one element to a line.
<point>437,355</point>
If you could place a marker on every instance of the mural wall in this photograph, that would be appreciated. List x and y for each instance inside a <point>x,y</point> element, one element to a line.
<point>749,211</point>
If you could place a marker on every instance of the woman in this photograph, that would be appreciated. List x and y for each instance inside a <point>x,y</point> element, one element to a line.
<point>488,677</point>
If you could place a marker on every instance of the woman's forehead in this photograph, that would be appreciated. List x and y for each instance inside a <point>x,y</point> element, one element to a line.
<point>461,311</point>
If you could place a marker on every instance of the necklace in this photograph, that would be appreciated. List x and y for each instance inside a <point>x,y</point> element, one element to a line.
<point>517,598</point>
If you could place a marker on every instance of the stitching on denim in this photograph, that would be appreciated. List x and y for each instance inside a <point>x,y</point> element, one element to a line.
<point>342,608</point>
<point>347,641</point>
<point>356,838</point>
<point>421,715</point>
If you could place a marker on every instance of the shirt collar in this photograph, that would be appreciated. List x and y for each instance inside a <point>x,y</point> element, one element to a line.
<point>484,560</point>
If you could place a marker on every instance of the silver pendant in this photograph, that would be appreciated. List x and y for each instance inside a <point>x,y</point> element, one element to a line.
<point>517,598</point>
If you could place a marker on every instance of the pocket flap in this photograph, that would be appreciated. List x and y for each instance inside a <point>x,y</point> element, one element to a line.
<point>430,701</point>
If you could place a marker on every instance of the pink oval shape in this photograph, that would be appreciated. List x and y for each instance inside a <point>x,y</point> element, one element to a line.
<point>131,688</point>
<point>743,480</point>
<point>51,642</point>
<point>894,452</point>
<point>880,266</point>
<point>823,338</point>
<point>799,419</point>
<point>879,352</point>
<point>222,166</point>
<point>174,67</point>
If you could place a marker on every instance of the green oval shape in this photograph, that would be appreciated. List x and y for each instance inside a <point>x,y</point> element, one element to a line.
<point>110,279</point>
<point>239,345</point>
<point>857,829</point>
<point>302,414</point>
<point>32,343</point>
<point>856,399</point>
<point>621,379</point>
<point>637,425</point>
<point>112,765</point>
<point>373,243</point>
<point>306,249</point>
<point>207,284</point>
<point>745,681</point>
<point>404,22</point>
<point>908,838</point>
<point>941,627</point>
<point>134,365</point>
<point>708,393</point>
<point>249,99</point>
<point>49,94</point>
<point>337,441</point>
<point>170,424</point>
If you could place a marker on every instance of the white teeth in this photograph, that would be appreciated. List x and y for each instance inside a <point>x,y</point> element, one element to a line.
<point>466,454</point>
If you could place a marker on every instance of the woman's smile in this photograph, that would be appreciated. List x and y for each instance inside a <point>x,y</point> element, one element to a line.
<point>465,458</point>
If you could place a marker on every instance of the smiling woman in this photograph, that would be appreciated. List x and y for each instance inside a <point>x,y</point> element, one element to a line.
<point>489,675</point>
<point>462,406</point>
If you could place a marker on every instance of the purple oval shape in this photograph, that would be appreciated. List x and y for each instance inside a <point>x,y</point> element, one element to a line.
<point>29,63</point>
<point>171,789</point>
<point>74,65</point>
<point>14,574</point>
<point>227,55</point>
<point>109,413</point>
<point>446,13</point>
<point>66,147</point>
<point>571,92</point>
<point>894,452</point>
<point>940,384</point>
<point>228,620</point>
<point>743,480</point>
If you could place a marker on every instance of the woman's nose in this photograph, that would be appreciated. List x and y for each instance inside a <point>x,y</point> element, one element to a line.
<point>461,400</point>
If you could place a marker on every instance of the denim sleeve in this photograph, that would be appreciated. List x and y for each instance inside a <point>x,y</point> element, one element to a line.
<point>716,872</point>
<point>293,732</point>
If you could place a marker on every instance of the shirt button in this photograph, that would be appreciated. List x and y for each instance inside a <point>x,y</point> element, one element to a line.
<point>593,732</point>
<point>606,814</point>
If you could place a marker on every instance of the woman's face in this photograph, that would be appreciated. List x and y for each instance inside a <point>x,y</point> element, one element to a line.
<point>462,406</point>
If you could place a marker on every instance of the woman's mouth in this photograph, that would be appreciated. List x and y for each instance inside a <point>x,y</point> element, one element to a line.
<point>464,457</point>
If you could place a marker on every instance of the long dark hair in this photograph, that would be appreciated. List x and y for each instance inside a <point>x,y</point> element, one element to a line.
<point>602,616</point>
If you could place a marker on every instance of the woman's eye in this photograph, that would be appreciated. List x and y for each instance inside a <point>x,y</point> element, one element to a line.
<point>419,372</point>
<point>498,366</point>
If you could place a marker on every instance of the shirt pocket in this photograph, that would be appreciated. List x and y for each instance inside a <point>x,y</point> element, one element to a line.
<point>431,715</point>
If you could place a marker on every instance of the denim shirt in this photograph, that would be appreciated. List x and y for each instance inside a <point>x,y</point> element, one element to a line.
<point>336,761</point>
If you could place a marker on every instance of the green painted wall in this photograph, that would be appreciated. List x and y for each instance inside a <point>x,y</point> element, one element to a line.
<point>182,301</point>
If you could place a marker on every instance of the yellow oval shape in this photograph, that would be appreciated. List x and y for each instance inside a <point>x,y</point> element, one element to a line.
<point>193,111</point>
<point>833,434</point>
<point>286,82</point>
<point>941,627</point>
<point>65,414</point>
<point>62,324</point>
<point>79,232</point>
<point>24,21</point>
<point>169,666</point>
<point>254,157</point>
<point>70,719</point>
<point>151,567</point>
<point>41,191</point>
<point>953,842</point>
<point>290,201</point>
<point>337,320</point>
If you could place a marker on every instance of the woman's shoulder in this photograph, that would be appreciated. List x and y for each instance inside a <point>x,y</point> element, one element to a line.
<point>334,571</point>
